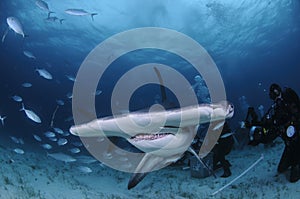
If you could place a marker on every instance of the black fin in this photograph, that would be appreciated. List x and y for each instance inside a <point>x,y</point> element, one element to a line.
<point>92,15</point>
<point>135,179</point>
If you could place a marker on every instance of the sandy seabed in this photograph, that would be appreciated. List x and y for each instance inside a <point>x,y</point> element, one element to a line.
<point>36,175</point>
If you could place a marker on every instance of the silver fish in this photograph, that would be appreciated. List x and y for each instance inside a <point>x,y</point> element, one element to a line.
<point>43,73</point>
<point>19,151</point>
<point>74,150</point>
<point>80,12</point>
<point>15,140</point>
<point>29,54</point>
<point>46,146</point>
<point>15,25</point>
<point>17,98</point>
<point>53,139</point>
<point>49,134</point>
<point>62,141</point>
<point>58,130</point>
<point>27,85</point>
<point>61,157</point>
<point>84,169</point>
<point>31,115</point>
<point>43,6</point>
<point>37,138</point>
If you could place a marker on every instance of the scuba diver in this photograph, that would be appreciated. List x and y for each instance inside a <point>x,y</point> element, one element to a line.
<point>223,148</point>
<point>283,120</point>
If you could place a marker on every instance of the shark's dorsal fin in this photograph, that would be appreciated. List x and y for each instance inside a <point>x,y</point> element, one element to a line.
<point>162,87</point>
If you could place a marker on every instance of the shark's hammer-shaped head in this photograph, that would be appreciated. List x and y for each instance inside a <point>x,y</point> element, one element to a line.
<point>121,125</point>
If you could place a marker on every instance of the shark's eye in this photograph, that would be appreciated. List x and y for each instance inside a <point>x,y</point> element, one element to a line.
<point>231,107</point>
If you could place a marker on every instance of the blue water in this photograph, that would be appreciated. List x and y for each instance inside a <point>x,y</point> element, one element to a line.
<point>253,43</point>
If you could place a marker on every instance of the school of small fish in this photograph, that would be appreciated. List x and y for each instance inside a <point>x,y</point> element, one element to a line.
<point>15,25</point>
<point>82,160</point>
<point>54,139</point>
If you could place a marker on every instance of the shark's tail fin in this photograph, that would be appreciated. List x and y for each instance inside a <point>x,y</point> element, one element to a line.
<point>92,15</point>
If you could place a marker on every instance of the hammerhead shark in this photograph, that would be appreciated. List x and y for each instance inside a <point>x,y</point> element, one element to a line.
<point>167,138</point>
<point>162,144</point>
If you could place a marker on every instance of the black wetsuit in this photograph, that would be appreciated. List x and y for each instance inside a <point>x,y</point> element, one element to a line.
<point>221,149</point>
<point>286,113</point>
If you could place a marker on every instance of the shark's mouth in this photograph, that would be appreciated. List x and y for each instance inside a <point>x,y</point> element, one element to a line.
<point>149,137</point>
<point>151,142</point>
